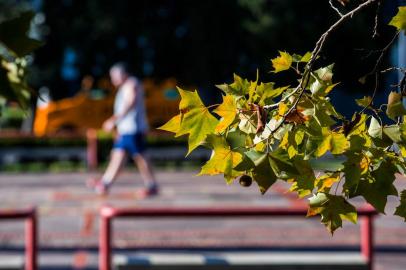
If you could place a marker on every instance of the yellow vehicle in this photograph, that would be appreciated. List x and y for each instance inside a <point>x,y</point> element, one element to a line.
<point>91,107</point>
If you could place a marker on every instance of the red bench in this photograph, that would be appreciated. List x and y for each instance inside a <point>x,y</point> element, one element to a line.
<point>29,215</point>
<point>109,213</point>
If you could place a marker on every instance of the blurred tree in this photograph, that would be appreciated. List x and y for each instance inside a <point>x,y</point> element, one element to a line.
<point>198,42</point>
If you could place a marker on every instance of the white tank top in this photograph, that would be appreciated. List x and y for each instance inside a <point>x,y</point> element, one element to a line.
<point>135,121</point>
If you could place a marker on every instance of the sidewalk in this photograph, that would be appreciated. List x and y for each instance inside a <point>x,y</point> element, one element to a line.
<point>69,219</point>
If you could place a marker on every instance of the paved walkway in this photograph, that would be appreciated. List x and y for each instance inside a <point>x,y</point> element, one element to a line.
<point>69,221</point>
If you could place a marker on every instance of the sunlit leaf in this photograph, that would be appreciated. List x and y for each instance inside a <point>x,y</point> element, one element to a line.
<point>223,159</point>
<point>228,111</point>
<point>399,20</point>
<point>282,62</point>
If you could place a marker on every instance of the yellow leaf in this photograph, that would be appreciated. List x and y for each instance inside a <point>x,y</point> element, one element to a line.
<point>227,110</point>
<point>283,108</point>
<point>399,21</point>
<point>325,182</point>
<point>223,159</point>
<point>282,62</point>
<point>172,125</point>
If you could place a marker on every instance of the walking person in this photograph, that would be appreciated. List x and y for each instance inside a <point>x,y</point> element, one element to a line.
<point>129,120</point>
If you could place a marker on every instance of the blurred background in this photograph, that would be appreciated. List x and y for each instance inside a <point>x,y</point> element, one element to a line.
<point>174,42</point>
<point>49,147</point>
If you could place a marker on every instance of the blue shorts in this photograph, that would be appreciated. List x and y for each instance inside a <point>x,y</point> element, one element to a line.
<point>133,144</point>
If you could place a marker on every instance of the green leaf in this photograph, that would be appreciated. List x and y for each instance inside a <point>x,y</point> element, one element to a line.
<point>393,132</point>
<point>238,88</point>
<point>197,121</point>
<point>13,34</point>
<point>333,210</point>
<point>376,188</point>
<point>282,62</point>
<point>228,111</point>
<point>399,21</point>
<point>262,173</point>
<point>223,159</point>
<point>395,107</point>
<point>303,182</point>
<point>306,58</point>
<point>364,102</point>
<point>356,165</point>
<point>401,209</point>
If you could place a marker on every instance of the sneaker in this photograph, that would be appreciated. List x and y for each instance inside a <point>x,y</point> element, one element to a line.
<point>146,192</point>
<point>97,186</point>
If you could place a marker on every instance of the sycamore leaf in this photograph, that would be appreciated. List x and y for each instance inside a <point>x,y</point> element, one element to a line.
<point>395,107</point>
<point>355,166</point>
<point>306,57</point>
<point>223,159</point>
<point>399,21</point>
<point>364,102</point>
<point>262,173</point>
<point>303,182</point>
<point>197,121</point>
<point>331,141</point>
<point>248,123</point>
<point>401,209</point>
<point>332,209</point>
<point>375,129</point>
<point>282,62</point>
<point>173,125</point>
<point>326,181</point>
<point>393,132</point>
<point>326,73</point>
<point>227,110</point>
<point>378,186</point>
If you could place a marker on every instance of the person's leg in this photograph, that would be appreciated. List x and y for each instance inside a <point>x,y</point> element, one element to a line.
<point>116,161</point>
<point>144,166</point>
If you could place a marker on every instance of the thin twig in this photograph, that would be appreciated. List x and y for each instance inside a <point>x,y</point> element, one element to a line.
<point>375,33</point>
<point>336,9</point>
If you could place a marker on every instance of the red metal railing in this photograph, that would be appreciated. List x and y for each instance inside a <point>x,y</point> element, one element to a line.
<point>109,213</point>
<point>30,233</point>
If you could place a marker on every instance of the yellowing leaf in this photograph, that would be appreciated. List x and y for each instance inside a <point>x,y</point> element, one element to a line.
<point>332,141</point>
<point>399,21</point>
<point>364,102</point>
<point>395,107</point>
<point>189,100</point>
<point>338,143</point>
<point>197,121</point>
<point>282,62</point>
<point>333,210</point>
<point>227,110</point>
<point>223,159</point>
<point>325,182</point>
<point>172,125</point>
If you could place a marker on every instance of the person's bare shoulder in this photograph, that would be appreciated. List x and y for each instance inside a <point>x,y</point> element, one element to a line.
<point>131,85</point>
<point>132,82</point>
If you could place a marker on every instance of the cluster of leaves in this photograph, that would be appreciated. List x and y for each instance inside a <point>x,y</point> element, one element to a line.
<point>267,133</point>
<point>14,46</point>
